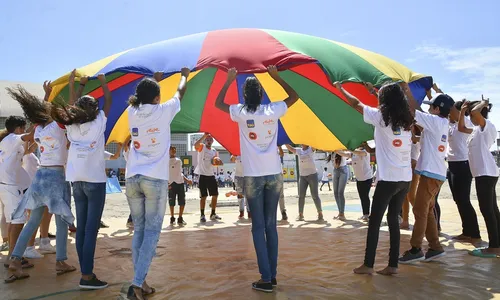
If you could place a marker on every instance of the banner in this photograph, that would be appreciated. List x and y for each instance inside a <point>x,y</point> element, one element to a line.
<point>291,173</point>
<point>285,173</point>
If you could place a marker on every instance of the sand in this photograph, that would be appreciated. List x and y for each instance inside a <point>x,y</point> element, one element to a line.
<point>217,260</point>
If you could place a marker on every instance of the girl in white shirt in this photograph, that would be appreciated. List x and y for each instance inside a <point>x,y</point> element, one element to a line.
<point>49,189</point>
<point>340,177</point>
<point>85,125</point>
<point>146,174</point>
<point>392,121</point>
<point>258,127</point>
<point>484,169</point>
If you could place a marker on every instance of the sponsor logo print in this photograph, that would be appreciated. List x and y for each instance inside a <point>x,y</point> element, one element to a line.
<point>397,132</point>
<point>252,136</point>
<point>93,144</point>
<point>441,148</point>
<point>269,132</point>
<point>42,149</point>
<point>250,124</point>
<point>397,143</point>
<point>153,130</point>
<point>269,122</point>
<point>153,140</point>
<point>135,131</point>
<point>443,138</point>
<point>137,145</point>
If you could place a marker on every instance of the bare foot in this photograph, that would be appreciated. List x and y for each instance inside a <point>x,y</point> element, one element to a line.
<point>62,268</point>
<point>491,251</point>
<point>138,293</point>
<point>388,271</point>
<point>461,237</point>
<point>404,225</point>
<point>363,270</point>
<point>475,242</point>
<point>146,289</point>
<point>16,268</point>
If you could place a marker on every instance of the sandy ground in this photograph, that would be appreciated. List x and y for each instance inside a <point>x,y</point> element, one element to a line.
<point>217,260</point>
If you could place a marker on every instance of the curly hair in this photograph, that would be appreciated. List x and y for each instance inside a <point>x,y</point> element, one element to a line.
<point>36,111</point>
<point>252,92</point>
<point>145,92</point>
<point>394,107</point>
<point>86,109</point>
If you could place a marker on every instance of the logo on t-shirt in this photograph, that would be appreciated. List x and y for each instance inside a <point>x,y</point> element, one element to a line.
<point>137,145</point>
<point>397,131</point>
<point>250,124</point>
<point>397,143</point>
<point>443,138</point>
<point>135,131</point>
<point>153,140</point>
<point>153,130</point>
<point>252,136</point>
<point>37,140</point>
<point>269,122</point>
<point>93,144</point>
<point>441,148</point>
<point>42,149</point>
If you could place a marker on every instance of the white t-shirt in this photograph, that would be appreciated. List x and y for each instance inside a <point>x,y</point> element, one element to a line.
<point>175,170</point>
<point>325,176</point>
<point>361,166</point>
<point>343,161</point>
<point>205,156</point>
<point>306,161</point>
<point>415,151</point>
<point>86,152</point>
<point>259,137</point>
<point>481,161</point>
<point>11,155</point>
<point>52,142</point>
<point>457,142</point>
<point>125,154</point>
<point>238,171</point>
<point>150,131</point>
<point>433,140</point>
<point>393,148</point>
<point>30,165</point>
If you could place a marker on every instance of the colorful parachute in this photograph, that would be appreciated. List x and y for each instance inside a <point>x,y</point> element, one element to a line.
<point>321,118</point>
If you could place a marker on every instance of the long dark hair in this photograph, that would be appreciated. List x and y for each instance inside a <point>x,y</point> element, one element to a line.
<point>145,92</point>
<point>11,123</point>
<point>252,92</point>
<point>394,107</point>
<point>338,160</point>
<point>484,110</point>
<point>35,110</point>
<point>85,110</point>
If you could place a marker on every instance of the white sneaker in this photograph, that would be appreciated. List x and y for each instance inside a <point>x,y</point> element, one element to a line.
<point>31,252</point>
<point>47,248</point>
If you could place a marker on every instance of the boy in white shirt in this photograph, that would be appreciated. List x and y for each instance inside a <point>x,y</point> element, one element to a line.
<point>176,187</point>
<point>431,167</point>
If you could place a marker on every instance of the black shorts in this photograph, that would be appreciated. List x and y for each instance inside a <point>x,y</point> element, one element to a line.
<point>208,185</point>
<point>176,190</point>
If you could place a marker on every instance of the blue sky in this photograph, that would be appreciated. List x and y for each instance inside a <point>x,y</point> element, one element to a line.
<point>457,42</point>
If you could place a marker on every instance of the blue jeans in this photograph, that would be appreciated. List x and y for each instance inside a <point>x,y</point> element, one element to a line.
<point>89,204</point>
<point>262,195</point>
<point>30,228</point>
<point>339,182</point>
<point>147,198</point>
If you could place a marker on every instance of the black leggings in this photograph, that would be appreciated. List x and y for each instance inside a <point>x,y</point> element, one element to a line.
<point>390,194</point>
<point>364,194</point>
<point>487,198</point>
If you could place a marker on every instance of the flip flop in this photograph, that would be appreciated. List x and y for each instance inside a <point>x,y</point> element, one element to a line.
<point>64,271</point>
<point>14,277</point>
<point>479,253</point>
<point>144,292</point>
<point>24,263</point>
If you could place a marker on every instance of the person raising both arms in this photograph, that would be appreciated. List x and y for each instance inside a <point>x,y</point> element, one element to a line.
<point>392,121</point>
<point>207,159</point>
<point>308,178</point>
<point>49,188</point>
<point>484,169</point>
<point>340,177</point>
<point>262,169</point>
<point>147,172</point>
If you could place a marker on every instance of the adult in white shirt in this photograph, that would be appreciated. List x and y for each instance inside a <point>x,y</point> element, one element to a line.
<point>85,169</point>
<point>176,187</point>
<point>392,120</point>
<point>12,185</point>
<point>364,176</point>
<point>340,177</point>
<point>412,193</point>
<point>431,167</point>
<point>258,130</point>
<point>238,184</point>
<point>207,183</point>
<point>484,169</point>
<point>146,175</point>
<point>308,178</point>
<point>459,175</point>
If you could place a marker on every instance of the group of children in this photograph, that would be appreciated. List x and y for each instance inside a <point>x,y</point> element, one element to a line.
<point>70,139</point>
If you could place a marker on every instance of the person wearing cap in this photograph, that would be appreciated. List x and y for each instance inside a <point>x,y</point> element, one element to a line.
<point>431,167</point>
